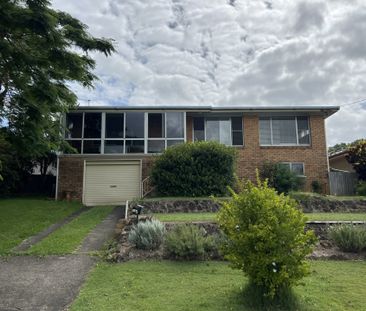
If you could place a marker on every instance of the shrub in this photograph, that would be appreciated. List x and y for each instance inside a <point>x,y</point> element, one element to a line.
<point>348,237</point>
<point>186,242</point>
<point>194,169</point>
<point>357,157</point>
<point>148,235</point>
<point>266,237</point>
<point>361,188</point>
<point>316,186</point>
<point>280,177</point>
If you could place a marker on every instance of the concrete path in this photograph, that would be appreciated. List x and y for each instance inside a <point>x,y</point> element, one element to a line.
<point>51,282</point>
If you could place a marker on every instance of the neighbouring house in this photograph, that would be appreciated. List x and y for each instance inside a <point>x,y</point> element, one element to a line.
<point>338,161</point>
<point>117,145</point>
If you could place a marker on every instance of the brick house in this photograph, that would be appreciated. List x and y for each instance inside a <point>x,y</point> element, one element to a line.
<point>116,146</point>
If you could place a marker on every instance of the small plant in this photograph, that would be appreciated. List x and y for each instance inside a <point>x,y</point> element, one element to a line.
<point>280,177</point>
<point>316,186</point>
<point>266,237</point>
<point>361,188</point>
<point>148,235</point>
<point>348,237</point>
<point>186,242</point>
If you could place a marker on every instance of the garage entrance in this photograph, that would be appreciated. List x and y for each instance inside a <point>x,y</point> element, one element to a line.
<point>111,182</point>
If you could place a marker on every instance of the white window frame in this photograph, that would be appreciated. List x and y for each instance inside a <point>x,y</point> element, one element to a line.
<point>297,133</point>
<point>103,137</point>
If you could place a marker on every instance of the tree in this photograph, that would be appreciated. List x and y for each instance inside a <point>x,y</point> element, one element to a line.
<point>341,147</point>
<point>42,50</point>
<point>357,157</point>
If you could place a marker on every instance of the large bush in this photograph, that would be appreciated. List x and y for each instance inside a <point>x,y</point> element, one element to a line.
<point>357,157</point>
<point>266,237</point>
<point>148,235</point>
<point>194,169</point>
<point>280,177</point>
<point>361,188</point>
<point>349,238</point>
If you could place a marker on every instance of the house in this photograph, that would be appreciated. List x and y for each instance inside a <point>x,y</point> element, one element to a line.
<point>116,145</point>
<point>338,161</point>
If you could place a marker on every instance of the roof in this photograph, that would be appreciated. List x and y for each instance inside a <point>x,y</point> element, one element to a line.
<point>338,154</point>
<point>326,111</point>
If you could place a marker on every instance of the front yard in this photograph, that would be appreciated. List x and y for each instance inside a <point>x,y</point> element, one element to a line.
<point>167,285</point>
<point>22,218</point>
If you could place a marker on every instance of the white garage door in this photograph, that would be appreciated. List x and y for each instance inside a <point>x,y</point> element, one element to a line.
<point>111,182</point>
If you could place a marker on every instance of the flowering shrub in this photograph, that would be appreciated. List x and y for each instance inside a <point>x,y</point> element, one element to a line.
<point>266,237</point>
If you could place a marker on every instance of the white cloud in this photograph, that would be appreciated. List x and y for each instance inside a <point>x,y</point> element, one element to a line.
<point>231,52</point>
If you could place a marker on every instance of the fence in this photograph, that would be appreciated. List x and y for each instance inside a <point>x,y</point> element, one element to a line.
<point>342,183</point>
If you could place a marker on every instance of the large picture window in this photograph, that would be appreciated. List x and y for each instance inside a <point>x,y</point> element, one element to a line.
<point>279,131</point>
<point>124,132</point>
<point>227,130</point>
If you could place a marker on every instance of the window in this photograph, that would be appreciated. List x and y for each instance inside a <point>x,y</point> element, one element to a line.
<point>74,125</point>
<point>284,131</point>
<point>135,146</point>
<point>296,167</point>
<point>228,131</point>
<point>135,124</point>
<point>175,125</point>
<point>113,146</point>
<point>156,125</point>
<point>114,125</point>
<point>91,146</point>
<point>92,125</point>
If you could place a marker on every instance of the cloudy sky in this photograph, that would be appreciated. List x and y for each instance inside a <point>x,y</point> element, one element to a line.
<point>231,52</point>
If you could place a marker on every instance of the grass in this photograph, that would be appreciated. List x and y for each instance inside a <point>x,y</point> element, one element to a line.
<point>166,285</point>
<point>187,217</point>
<point>21,218</point>
<point>66,239</point>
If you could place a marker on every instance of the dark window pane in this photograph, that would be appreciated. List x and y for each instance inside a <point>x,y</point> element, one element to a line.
<point>298,168</point>
<point>156,146</point>
<point>265,131</point>
<point>91,146</point>
<point>156,125</point>
<point>175,124</point>
<point>174,142</point>
<point>113,146</point>
<point>237,123</point>
<point>286,165</point>
<point>74,124</point>
<point>135,125</point>
<point>114,125</point>
<point>75,144</point>
<point>135,146</point>
<point>92,125</point>
<point>303,130</point>
<point>198,129</point>
<point>237,138</point>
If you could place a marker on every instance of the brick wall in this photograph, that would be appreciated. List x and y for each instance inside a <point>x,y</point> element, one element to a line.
<point>250,157</point>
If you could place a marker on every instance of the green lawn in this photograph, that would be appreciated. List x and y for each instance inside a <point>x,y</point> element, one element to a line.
<point>66,239</point>
<point>212,216</point>
<point>22,218</point>
<point>165,285</point>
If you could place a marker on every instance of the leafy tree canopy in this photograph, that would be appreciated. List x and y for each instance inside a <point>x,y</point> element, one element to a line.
<point>341,147</point>
<point>357,157</point>
<point>41,51</point>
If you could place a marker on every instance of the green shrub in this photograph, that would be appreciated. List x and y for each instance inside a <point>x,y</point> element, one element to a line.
<point>280,177</point>
<point>194,169</point>
<point>361,188</point>
<point>186,242</point>
<point>148,235</point>
<point>357,157</point>
<point>266,237</point>
<point>348,237</point>
<point>316,186</point>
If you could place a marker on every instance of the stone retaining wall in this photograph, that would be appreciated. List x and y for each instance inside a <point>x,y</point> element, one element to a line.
<point>308,205</point>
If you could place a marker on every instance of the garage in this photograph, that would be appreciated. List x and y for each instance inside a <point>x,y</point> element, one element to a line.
<point>111,182</point>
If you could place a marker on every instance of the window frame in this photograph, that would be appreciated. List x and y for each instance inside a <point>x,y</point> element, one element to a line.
<point>297,132</point>
<point>292,163</point>
<point>145,139</point>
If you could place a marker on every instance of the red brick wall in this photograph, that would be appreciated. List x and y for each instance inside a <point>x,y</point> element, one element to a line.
<point>250,157</point>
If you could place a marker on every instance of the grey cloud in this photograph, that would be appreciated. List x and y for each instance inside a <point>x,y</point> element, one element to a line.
<point>309,15</point>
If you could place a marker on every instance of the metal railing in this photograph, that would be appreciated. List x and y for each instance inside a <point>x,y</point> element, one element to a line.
<point>147,187</point>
